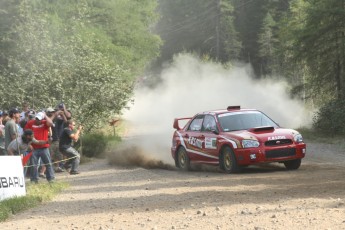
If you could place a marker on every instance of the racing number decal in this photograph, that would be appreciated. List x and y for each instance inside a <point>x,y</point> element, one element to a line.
<point>195,142</point>
<point>193,151</point>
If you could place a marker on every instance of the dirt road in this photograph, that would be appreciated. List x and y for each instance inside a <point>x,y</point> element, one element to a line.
<point>127,197</point>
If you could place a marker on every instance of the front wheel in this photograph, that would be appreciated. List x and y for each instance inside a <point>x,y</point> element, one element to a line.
<point>293,164</point>
<point>228,161</point>
<point>182,160</point>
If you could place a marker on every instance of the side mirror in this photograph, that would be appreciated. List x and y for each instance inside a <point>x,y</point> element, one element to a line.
<point>215,131</point>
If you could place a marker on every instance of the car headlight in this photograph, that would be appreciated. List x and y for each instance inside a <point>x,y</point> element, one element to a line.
<point>250,143</point>
<point>298,138</point>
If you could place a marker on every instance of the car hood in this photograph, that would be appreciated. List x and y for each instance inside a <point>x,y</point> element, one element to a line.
<point>263,134</point>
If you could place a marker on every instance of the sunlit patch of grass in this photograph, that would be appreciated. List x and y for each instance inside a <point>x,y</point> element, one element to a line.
<point>35,194</point>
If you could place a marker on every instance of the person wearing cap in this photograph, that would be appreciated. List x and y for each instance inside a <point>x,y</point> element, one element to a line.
<point>2,136</point>
<point>67,113</point>
<point>22,144</point>
<point>11,128</point>
<point>40,126</point>
<point>29,115</point>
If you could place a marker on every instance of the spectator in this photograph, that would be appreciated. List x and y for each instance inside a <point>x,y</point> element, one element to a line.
<point>67,113</point>
<point>23,144</point>
<point>62,116</point>
<point>40,127</point>
<point>25,109</point>
<point>60,123</point>
<point>11,128</point>
<point>2,136</point>
<point>29,115</point>
<point>65,146</point>
<point>5,117</point>
<point>55,154</point>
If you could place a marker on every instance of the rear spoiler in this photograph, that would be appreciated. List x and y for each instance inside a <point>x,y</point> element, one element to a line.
<point>176,122</point>
<point>262,129</point>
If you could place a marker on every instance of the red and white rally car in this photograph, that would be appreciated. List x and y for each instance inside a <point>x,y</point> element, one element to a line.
<point>235,138</point>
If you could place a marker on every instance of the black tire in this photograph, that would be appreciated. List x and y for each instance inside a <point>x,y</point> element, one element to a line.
<point>182,159</point>
<point>293,164</point>
<point>228,161</point>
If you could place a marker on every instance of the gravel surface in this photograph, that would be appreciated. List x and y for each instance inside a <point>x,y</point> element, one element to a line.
<point>108,196</point>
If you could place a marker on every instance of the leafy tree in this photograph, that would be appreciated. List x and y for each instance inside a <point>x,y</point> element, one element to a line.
<point>267,42</point>
<point>8,10</point>
<point>85,53</point>
<point>258,25</point>
<point>248,20</point>
<point>320,43</point>
<point>229,37</point>
<point>292,68</point>
<point>203,27</point>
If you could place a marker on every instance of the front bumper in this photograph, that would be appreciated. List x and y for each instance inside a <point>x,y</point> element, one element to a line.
<point>270,154</point>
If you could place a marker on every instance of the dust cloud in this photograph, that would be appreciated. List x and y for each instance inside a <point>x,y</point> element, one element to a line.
<point>131,154</point>
<point>190,86</point>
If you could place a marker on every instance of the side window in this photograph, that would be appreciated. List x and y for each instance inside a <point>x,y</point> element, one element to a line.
<point>195,125</point>
<point>209,123</point>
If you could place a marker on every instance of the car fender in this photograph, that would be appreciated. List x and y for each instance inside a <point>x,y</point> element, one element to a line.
<point>233,142</point>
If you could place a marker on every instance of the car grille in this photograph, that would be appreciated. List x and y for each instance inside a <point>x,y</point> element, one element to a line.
<point>280,153</point>
<point>278,142</point>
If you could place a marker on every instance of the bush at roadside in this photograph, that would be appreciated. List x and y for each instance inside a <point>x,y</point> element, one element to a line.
<point>95,144</point>
<point>330,118</point>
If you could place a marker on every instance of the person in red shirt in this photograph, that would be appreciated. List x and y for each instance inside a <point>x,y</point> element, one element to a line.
<point>40,126</point>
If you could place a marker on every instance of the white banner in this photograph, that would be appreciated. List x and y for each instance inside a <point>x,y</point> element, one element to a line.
<point>12,180</point>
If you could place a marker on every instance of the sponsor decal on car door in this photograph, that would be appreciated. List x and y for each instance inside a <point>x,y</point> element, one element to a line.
<point>210,143</point>
<point>209,127</point>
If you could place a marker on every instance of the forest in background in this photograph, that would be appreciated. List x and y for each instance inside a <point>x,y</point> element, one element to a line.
<point>89,53</point>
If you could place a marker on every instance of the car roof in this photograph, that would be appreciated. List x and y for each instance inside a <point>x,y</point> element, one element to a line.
<point>221,111</point>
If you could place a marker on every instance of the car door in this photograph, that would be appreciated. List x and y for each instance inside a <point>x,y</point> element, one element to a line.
<point>193,138</point>
<point>209,137</point>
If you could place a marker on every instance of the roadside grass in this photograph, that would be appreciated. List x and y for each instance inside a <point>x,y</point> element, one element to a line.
<point>35,195</point>
<point>312,135</point>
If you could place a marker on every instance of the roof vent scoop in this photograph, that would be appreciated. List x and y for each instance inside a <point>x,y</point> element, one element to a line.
<point>232,107</point>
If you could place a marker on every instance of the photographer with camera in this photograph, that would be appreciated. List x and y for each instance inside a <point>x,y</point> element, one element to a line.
<point>65,146</point>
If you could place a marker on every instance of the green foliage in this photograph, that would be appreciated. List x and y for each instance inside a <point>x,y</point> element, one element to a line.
<point>93,144</point>
<point>248,23</point>
<point>268,45</point>
<point>5,211</point>
<point>204,27</point>
<point>229,42</point>
<point>16,205</point>
<point>85,53</point>
<point>316,39</point>
<point>330,118</point>
<point>88,53</point>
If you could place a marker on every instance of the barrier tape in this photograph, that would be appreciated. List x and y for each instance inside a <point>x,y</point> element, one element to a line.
<point>28,166</point>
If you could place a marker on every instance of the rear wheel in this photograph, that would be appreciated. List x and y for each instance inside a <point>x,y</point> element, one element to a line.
<point>228,161</point>
<point>182,160</point>
<point>293,164</point>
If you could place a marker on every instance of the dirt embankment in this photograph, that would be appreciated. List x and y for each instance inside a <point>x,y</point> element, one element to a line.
<point>156,196</point>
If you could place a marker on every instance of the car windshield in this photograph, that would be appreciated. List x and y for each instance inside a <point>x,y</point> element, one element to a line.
<point>244,120</point>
